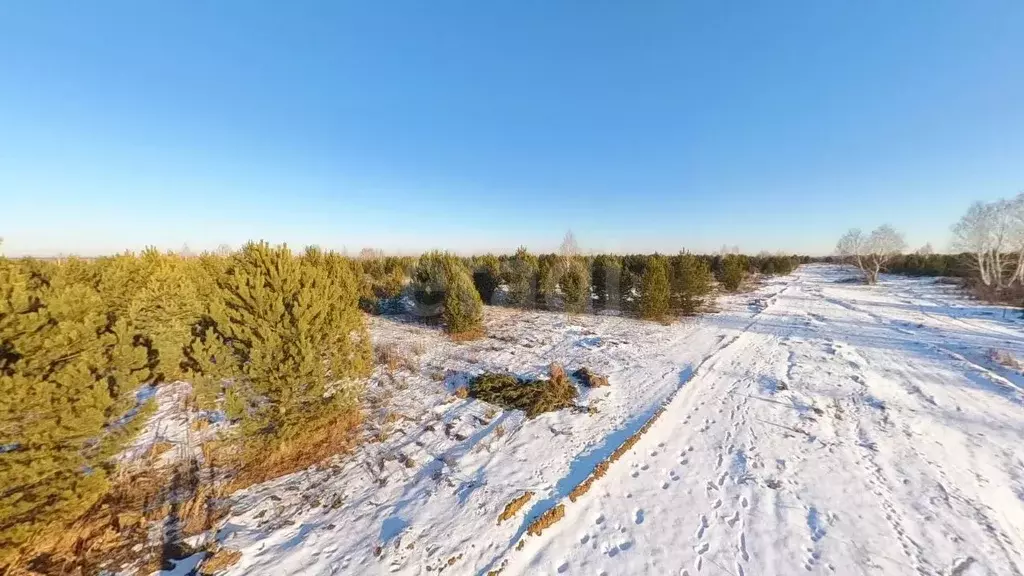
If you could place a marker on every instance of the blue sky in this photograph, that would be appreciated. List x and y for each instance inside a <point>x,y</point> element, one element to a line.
<point>475,126</point>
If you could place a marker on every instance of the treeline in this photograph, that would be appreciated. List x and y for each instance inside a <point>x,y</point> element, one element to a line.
<point>274,340</point>
<point>650,286</point>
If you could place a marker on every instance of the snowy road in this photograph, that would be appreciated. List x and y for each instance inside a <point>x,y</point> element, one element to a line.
<point>846,429</point>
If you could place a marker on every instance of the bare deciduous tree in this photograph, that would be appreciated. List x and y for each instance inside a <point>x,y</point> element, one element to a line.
<point>993,234</point>
<point>871,253</point>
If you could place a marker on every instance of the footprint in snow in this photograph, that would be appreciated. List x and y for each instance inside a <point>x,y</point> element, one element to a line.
<point>639,517</point>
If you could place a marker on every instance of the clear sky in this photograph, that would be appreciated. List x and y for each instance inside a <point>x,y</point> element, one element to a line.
<point>482,125</point>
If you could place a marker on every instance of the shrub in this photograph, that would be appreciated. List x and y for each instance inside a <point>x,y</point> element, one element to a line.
<point>733,271</point>
<point>655,293</point>
<point>534,397</point>
<point>69,370</point>
<point>691,282</point>
<point>520,275</point>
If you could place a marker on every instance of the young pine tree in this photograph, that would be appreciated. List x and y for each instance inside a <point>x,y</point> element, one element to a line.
<point>463,309</point>
<point>487,277</point>
<point>521,277</point>
<point>295,342</point>
<point>733,271</point>
<point>655,292</point>
<point>691,282</point>
<point>69,371</point>
<point>444,290</point>
<point>575,285</point>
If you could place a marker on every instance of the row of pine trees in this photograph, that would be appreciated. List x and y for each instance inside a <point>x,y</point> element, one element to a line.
<point>275,340</point>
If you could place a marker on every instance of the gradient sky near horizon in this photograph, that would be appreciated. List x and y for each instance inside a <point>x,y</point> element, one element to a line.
<point>480,126</point>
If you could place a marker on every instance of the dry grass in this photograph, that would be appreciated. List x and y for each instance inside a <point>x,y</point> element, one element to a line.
<point>462,393</point>
<point>219,561</point>
<point>255,464</point>
<point>394,358</point>
<point>116,532</point>
<point>514,506</point>
<point>1004,358</point>
<point>468,335</point>
<point>546,519</point>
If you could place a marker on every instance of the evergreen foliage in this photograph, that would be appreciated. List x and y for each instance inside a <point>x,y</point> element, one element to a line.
<point>288,333</point>
<point>606,272</point>
<point>487,276</point>
<point>691,282</point>
<point>520,276</point>
<point>443,290</point>
<point>655,291</point>
<point>69,371</point>
<point>733,270</point>
<point>575,284</point>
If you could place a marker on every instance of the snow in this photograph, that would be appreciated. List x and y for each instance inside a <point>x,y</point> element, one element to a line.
<point>813,426</point>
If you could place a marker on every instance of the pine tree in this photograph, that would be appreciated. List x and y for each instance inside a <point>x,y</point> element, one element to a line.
<point>296,338</point>
<point>655,291</point>
<point>521,277</point>
<point>69,370</point>
<point>444,290</point>
<point>575,285</point>
<point>463,309</point>
<point>733,271</point>
<point>606,272</point>
<point>487,276</point>
<point>691,282</point>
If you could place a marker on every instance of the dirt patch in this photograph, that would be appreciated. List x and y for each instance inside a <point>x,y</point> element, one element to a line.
<point>590,379</point>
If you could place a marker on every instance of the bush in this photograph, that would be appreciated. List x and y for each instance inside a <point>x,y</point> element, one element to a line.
<point>655,292</point>
<point>691,282</point>
<point>69,371</point>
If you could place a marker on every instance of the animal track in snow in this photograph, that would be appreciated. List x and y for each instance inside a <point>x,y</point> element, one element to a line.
<point>639,517</point>
<point>733,519</point>
<point>702,526</point>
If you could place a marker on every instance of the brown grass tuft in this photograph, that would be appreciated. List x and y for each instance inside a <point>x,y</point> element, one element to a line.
<point>467,336</point>
<point>462,392</point>
<point>1004,358</point>
<point>254,464</point>
<point>514,506</point>
<point>219,561</point>
<point>546,519</point>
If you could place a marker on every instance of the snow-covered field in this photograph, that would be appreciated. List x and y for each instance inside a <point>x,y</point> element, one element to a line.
<point>812,426</point>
